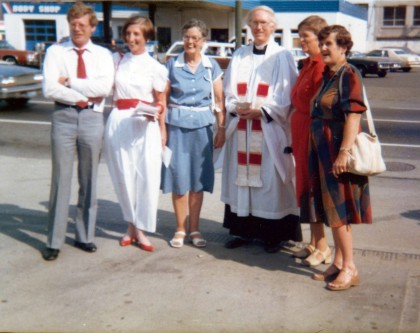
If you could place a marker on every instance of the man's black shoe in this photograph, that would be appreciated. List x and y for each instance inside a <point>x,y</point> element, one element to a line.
<point>235,242</point>
<point>88,247</point>
<point>50,254</point>
<point>271,247</point>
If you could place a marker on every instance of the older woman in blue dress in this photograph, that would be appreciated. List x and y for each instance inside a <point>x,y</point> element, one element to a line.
<point>195,92</point>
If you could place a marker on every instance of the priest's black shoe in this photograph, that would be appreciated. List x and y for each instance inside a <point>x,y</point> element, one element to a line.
<point>88,247</point>
<point>235,242</point>
<point>50,254</point>
<point>272,247</point>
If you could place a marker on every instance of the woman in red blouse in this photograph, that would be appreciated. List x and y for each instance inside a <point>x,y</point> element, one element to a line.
<point>306,87</point>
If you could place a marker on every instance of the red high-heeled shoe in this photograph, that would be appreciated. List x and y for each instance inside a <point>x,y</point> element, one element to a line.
<point>149,248</point>
<point>127,240</point>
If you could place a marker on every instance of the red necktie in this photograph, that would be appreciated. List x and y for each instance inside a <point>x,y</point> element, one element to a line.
<point>81,72</point>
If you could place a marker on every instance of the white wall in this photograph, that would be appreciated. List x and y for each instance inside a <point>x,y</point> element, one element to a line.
<point>357,27</point>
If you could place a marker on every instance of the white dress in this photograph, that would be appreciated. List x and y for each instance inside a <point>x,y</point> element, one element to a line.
<point>133,147</point>
<point>276,198</point>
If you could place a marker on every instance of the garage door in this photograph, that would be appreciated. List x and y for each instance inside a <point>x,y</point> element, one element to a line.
<point>37,31</point>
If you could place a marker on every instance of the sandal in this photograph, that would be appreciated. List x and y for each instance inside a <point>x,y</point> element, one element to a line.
<point>346,279</point>
<point>197,241</point>
<point>329,275</point>
<point>178,242</point>
<point>305,252</point>
<point>318,257</point>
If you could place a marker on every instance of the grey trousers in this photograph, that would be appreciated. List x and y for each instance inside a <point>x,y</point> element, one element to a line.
<point>74,133</point>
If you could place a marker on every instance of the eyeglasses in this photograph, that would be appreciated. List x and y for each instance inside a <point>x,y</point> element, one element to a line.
<point>192,38</point>
<point>255,24</point>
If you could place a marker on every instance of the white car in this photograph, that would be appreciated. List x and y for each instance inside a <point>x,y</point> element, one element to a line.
<point>221,52</point>
<point>407,60</point>
<point>298,55</point>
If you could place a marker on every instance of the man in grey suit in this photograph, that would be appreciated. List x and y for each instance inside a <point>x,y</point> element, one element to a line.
<point>77,76</point>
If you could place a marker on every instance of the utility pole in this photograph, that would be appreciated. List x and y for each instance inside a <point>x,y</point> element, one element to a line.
<point>238,23</point>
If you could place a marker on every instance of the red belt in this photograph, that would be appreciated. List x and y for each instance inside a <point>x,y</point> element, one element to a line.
<point>125,104</point>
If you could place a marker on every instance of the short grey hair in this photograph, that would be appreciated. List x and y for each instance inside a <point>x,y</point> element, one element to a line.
<point>266,9</point>
<point>196,23</point>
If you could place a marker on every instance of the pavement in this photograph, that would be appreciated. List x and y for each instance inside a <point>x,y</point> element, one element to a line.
<point>199,290</point>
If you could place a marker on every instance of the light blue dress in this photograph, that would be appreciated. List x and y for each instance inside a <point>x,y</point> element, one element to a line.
<point>189,122</point>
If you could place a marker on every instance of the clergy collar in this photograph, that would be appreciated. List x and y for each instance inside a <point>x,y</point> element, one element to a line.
<point>259,50</point>
<point>180,61</point>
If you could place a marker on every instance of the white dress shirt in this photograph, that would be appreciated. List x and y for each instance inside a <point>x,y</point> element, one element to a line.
<point>61,61</point>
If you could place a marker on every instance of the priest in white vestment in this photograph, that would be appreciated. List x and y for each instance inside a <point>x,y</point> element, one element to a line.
<point>258,170</point>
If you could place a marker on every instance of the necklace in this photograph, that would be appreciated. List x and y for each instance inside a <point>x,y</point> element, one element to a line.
<point>326,85</point>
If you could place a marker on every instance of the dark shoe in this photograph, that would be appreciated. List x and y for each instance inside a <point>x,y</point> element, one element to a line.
<point>50,254</point>
<point>88,247</point>
<point>271,247</point>
<point>235,242</point>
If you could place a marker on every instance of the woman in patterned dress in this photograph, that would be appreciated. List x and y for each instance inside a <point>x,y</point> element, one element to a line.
<point>303,92</point>
<point>340,198</point>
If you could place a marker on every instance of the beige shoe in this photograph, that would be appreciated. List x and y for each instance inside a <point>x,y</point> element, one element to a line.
<point>178,240</point>
<point>346,279</point>
<point>318,257</point>
<point>305,252</point>
<point>329,275</point>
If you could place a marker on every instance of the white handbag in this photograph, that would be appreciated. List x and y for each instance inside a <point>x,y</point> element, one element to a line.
<point>365,157</point>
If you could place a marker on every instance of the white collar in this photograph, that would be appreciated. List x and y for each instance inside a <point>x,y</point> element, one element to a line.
<point>69,45</point>
<point>180,62</point>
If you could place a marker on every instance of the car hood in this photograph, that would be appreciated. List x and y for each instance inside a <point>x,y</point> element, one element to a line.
<point>380,59</point>
<point>13,70</point>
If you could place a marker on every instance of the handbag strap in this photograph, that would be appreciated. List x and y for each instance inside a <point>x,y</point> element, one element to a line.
<point>368,113</point>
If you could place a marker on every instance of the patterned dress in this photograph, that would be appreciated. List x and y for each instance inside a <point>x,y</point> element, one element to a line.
<point>343,200</point>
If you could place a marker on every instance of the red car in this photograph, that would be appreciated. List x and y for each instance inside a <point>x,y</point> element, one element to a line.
<point>17,57</point>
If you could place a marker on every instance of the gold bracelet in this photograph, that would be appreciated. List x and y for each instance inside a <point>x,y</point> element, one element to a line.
<point>347,150</point>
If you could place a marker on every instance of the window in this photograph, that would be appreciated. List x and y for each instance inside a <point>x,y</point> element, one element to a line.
<point>295,38</point>
<point>39,31</point>
<point>416,19</point>
<point>163,38</point>
<point>219,35</point>
<point>278,34</point>
<point>394,16</point>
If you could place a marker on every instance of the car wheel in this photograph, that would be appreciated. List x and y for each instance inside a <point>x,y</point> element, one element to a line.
<point>362,70</point>
<point>10,60</point>
<point>406,69</point>
<point>381,74</point>
<point>17,102</point>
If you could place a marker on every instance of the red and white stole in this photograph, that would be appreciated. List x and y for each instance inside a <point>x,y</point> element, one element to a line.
<point>250,138</point>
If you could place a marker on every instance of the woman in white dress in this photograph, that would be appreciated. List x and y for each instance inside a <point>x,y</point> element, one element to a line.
<point>134,141</point>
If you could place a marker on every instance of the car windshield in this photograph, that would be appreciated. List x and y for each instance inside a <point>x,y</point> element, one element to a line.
<point>177,49</point>
<point>5,45</point>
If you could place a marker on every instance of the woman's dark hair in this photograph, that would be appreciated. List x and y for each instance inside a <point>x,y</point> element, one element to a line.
<point>342,37</point>
<point>146,26</point>
<point>195,23</point>
<point>313,23</point>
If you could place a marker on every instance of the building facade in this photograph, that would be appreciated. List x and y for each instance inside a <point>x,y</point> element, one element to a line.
<point>27,23</point>
<point>392,23</point>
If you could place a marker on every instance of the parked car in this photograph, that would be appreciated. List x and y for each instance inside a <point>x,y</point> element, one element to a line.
<point>18,57</point>
<point>407,60</point>
<point>298,55</point>
<point>221,52</point>
<point>372,65</point>
<point>18,83</point>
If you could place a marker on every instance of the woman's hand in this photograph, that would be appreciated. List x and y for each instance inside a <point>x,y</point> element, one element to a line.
<point>220,138</point>
<point>163,135</point>
<point>340,164</point>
